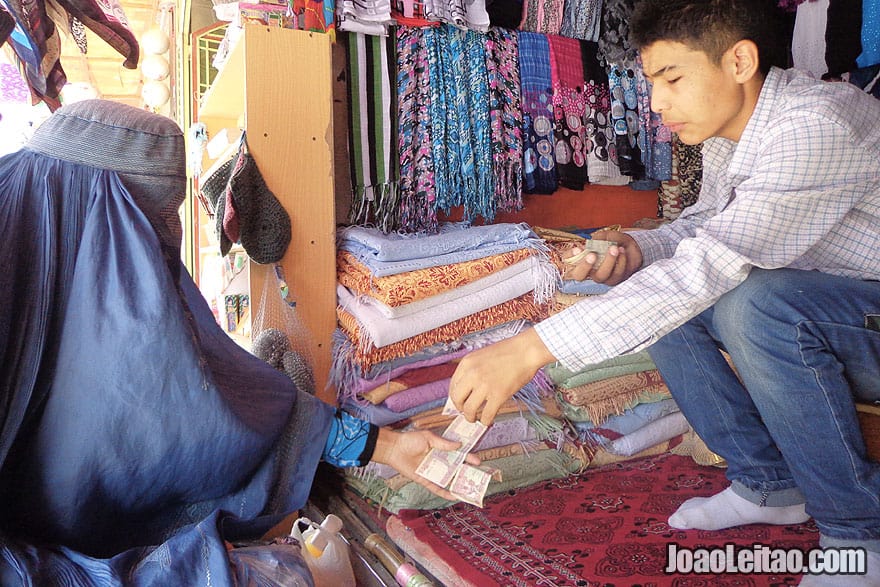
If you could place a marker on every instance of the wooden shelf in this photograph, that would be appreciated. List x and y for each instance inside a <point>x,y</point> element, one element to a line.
<point>277,84</point>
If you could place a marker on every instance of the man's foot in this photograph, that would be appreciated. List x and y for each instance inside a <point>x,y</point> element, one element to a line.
<point>727,509</point>
<point>871,579</point>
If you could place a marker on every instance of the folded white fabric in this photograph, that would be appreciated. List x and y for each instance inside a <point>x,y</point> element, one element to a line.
<point>435,311</point>
<point>658,431</point>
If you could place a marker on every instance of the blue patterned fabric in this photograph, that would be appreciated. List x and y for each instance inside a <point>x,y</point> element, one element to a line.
<point>539,167</point>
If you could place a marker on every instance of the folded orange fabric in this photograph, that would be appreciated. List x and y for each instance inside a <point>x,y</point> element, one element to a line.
<point>411,286</point>
<point>367,355</point>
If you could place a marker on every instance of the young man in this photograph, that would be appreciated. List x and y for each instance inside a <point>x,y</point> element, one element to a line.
<point>777,263</point>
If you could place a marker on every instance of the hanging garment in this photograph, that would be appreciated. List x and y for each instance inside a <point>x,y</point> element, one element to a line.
<point>505,117</point>
<point>373,129</point>
<point>539,168</point>
<point>416,211</point>
<point>581,20</point>
<point>542,16</point>
<point>569,108</point>
<point>599,136</point>
<point>655,140</point>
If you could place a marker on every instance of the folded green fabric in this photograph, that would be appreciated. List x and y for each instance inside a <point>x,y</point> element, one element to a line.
<point>517,471</point>
<point>622,365</point>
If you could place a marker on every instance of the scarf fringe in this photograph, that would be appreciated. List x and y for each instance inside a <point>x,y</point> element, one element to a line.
<point>517,308</point>
<point>376,205</point>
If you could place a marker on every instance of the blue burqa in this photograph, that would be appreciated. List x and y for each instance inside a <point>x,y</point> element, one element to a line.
<point>135,435</point>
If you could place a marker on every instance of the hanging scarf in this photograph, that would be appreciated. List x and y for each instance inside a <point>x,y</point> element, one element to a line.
<point>569,107</point>
<point>655,140</point>
<point>480,200</point>
<point>459,108</point>
<point>372,130</point>
<point>599,136</point>
<point>539,166</point>
<point>542,16</point>
<point>505,117</point>
<point>581,20</point>
<point>625,119</point>
<point>417,194</point>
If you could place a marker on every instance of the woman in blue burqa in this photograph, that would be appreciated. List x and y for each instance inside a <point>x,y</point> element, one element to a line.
<point>135,436</point>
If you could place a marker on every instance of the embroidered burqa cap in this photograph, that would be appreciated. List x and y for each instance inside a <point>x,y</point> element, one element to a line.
<point>146,150</point>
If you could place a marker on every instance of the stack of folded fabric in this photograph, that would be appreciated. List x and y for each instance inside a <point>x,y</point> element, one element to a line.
<point>409,307</point>
<point>621,406</point>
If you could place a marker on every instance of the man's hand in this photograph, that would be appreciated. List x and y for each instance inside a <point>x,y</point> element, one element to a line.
<point>620,262</point>
<point>405,450</point>
<point>488,377</point>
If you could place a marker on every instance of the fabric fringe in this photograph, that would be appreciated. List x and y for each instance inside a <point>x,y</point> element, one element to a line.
<point>508,186</point>
<point>376,205</point>
<point>366,356</point>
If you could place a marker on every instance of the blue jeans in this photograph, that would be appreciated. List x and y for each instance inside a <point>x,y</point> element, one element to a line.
<point>789,431</point>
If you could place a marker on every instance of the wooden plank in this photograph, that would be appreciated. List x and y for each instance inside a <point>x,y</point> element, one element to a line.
<point>290,133</point>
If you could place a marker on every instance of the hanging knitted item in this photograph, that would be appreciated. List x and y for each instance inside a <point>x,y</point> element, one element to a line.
<point>569,107</point>
<point>372,138</point>
<point>246,210</point>
<point>505,117</point>
<point>534,62</point>
<point>416,191</point>
<point>599,138</point>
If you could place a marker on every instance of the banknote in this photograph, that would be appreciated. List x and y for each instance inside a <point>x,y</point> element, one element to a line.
<point>470,484</point>
<point>440,466</point>
<point>449,408</point>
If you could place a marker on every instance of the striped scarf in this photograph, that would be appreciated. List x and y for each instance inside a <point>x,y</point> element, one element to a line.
<point>373,144</point>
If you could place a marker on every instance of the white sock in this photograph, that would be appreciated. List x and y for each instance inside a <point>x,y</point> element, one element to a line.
<point>727,509</point>
<point>871,579</point>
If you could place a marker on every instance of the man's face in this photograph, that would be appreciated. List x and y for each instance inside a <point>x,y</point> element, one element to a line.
<point>696,98</point>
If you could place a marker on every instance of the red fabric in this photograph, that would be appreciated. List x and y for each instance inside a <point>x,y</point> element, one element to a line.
<point>606,527</point>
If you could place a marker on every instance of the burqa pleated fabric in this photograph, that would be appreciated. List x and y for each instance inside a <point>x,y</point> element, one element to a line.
<point>133,430</point>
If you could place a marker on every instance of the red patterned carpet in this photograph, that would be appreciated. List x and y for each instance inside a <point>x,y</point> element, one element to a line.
<point>604,528</point>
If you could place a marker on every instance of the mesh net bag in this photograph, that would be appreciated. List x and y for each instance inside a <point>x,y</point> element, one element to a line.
<point>280,337</point>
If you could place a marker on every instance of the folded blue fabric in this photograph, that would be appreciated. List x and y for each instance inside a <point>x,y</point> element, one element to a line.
<point>390,254</point>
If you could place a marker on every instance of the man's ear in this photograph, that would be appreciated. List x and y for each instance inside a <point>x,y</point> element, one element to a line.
<point>744,54</point>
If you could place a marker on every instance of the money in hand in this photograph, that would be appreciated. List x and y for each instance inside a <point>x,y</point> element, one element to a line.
<point>440,466</point>
<point>470,483</point>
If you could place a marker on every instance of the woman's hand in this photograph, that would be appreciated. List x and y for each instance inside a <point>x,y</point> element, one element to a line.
<point>405,450</point>
<point>620,262</point>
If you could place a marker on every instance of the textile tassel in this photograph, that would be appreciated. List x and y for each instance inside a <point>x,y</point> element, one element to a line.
<point>548,279</point>
<point>505,117</point>
<point>417,191</point>
<point>373,129</point>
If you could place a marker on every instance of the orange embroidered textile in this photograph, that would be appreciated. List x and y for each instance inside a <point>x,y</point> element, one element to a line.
<point>411,286</point>
<point>367,355</point>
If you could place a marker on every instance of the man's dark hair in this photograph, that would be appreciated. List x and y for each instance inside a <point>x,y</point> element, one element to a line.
<point>713,26</point>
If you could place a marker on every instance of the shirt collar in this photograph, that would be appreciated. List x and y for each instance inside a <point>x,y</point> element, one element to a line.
<point>747,148</point>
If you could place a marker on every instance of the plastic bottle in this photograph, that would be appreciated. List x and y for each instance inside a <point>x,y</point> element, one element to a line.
<point>327,554</point>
